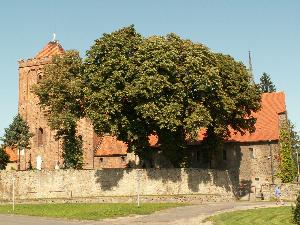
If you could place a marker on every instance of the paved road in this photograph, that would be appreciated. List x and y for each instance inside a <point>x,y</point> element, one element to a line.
<point>189,215</point>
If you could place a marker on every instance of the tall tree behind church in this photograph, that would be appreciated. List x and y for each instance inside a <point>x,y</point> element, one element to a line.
<point>266,85</point>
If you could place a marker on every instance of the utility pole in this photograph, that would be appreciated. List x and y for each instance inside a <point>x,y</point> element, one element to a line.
<point>138,176</point>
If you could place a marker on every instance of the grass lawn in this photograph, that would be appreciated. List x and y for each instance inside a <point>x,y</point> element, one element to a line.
<point>264,216</point>
<point>86,211</point>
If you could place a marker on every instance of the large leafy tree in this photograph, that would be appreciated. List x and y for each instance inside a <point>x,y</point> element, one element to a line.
<point>17,135</point>
<point>168,86</point>
<point>60,93</point>
<point>266,85</point>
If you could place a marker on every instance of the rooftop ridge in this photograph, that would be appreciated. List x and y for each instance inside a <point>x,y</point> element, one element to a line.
<point>51,48</point>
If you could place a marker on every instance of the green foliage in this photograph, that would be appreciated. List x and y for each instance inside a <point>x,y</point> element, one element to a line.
<point>72,149</point>
<point>17,135</point>
<point>287,171</point>
<point>266,85</point>
<point>85,211</point>
<point>259,216</point>
<point>231,101</point>
<point>61,95</point>
<point>295,142</point>
<point>4,158</point>
<point>296,211</point>
<point>165,85</point>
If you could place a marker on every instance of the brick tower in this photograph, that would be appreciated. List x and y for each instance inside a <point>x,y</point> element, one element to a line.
<point>45,152</point>
<point>42,143</point>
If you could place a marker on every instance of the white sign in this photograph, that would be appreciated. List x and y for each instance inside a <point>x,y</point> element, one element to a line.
<point>39,162</point>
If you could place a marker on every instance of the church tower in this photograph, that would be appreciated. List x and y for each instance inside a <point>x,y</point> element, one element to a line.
<point>45,150</point>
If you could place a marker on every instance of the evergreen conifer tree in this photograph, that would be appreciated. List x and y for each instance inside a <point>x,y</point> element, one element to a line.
<point>266,85</point>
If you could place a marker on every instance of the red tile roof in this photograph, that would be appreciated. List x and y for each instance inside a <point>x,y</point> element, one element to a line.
<point>52,48</point>
<point>12,154</point>
<point>109,145</point>
<point>267,123</point>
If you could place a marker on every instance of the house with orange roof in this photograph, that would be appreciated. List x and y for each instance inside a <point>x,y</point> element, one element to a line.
<point>13,158</point>
<point>254,156</point>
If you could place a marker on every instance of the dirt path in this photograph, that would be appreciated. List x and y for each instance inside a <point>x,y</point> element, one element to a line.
<point>189,215</point>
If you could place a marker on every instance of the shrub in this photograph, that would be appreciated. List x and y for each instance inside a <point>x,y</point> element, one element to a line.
<point>296,211</point>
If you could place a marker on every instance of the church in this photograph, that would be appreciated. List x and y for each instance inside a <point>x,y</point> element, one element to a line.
<point>255,156</point>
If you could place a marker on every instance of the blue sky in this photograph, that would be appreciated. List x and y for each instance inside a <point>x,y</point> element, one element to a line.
<point>270,29</point>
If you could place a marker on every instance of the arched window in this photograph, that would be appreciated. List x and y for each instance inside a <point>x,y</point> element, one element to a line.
<point>40,137</point>
<point>39,76</point>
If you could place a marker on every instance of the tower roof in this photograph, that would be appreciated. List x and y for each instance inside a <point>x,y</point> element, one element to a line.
<point>52,48</point>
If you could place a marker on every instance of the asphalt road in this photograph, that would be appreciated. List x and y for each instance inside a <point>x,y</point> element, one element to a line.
<point>188,215</point>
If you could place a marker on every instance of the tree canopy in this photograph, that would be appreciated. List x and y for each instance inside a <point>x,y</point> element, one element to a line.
<point>266,85</point>
<point>131,86</point>
<point>17,135</point>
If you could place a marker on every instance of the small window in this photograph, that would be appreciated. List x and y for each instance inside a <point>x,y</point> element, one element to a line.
<point>39,78</point>
<point>40,137</point>
<point>257,178</point>
<point>123,158</point>
<point>101,160</point>
<point>251,153</point>
<point>224,155</point>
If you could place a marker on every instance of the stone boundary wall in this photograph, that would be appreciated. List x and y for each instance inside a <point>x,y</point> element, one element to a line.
<point>108,184</point>
<point>289,191</point>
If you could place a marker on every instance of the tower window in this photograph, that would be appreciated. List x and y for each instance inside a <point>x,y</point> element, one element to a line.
<point>40,137</point>
<point>39,78</point>
<point>251,153</point>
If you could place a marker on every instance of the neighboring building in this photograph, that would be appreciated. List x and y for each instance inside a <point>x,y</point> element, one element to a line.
<point>255,156</point>
<point>13,159</point>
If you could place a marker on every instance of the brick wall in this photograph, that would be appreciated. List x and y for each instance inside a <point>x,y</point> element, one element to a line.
<point>42,143</point>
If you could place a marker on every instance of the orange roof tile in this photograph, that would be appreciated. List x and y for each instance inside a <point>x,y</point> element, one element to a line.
<point>267,123</point>
<point>52,48</point>
<point>109,145</point>
<point>12,154</point>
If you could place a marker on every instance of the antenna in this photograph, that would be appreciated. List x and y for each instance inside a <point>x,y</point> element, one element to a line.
<point>54,36</point>
<point>250,67</point>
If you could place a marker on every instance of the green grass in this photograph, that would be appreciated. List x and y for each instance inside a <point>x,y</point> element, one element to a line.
<point>263,216</point>
<point>86,211</point>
